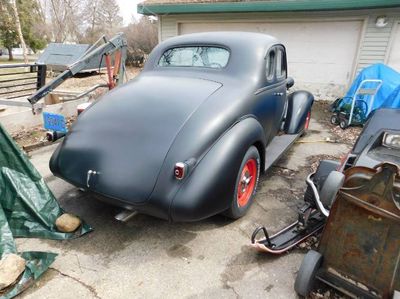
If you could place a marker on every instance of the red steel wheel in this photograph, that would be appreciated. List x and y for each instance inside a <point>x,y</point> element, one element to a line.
<point>247,182</point>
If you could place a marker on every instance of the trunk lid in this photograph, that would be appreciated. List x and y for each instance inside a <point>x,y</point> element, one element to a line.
<point>123,138</point>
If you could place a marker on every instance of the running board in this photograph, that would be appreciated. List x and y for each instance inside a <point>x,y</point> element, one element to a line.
<point>277,147</point>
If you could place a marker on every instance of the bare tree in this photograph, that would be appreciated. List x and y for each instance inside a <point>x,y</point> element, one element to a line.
<point>66,19</point>
<point>110,14</point>
<point>142,36</point>
<point>19,30</point>
<point>102,18</point>
<point>82,21</point>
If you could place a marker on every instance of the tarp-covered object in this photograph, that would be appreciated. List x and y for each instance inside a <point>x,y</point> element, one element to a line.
<point>29,206</point>
<point>388,95</point>
<point>27,209</point>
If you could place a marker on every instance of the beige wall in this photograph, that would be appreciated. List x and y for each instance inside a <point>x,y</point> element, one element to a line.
<point>372,44</point>
<point>393,59</point>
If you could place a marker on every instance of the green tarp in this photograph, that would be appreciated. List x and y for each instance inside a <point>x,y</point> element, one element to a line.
<point>36,264</point>
<point>27,209</point>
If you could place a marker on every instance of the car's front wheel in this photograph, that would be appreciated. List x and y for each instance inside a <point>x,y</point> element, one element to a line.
<point>246,184</point>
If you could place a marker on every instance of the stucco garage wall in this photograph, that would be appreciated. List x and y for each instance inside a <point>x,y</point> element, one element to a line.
<point>336,44</point>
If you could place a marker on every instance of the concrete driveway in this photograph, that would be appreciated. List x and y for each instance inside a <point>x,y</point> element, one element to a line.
<point>150,258</point>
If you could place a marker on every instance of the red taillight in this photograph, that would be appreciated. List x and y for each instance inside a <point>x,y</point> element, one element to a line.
<point>180,170</point>
<point>307,120</point>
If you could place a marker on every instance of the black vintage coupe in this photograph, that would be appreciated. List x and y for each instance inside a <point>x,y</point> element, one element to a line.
<point>188,137</point>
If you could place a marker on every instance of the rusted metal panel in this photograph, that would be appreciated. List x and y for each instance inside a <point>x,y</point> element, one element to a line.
<point>361,240</point>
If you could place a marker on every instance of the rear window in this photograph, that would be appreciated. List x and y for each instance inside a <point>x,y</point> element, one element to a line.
<point>195,56</point>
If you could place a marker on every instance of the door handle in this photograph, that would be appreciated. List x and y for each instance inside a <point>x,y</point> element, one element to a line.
<point>278,94</point>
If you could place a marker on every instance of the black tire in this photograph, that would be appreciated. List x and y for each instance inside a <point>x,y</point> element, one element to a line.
<point>334,120</point>
<point>331,187</point>
<point>306,277</point>
<point>235,211</point>
<point>343,124</point>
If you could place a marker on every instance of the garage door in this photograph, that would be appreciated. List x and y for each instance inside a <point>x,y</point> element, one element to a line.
<point>394,56</point>
<point>321,55</point>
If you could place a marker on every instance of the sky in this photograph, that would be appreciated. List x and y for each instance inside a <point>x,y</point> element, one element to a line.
<point>128,9</point>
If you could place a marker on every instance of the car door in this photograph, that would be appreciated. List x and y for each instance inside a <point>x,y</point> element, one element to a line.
<point>272,95</point>
<point>280,81</point>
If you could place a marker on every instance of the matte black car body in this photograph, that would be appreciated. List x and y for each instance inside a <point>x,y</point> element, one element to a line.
<point>131,139</point>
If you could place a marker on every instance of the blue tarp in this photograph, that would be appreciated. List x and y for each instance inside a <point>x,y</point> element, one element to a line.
<point>388,95</point>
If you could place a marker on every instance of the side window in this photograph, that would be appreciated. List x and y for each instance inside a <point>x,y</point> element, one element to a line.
<point>270,65</point>
<point>280,64</point>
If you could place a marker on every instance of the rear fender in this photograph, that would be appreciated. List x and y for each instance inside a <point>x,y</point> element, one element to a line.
<point>299,104</point>
<point>209,188</point>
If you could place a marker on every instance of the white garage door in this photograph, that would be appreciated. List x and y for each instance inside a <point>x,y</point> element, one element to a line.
<point>321,55</point>
<point>394,56</point>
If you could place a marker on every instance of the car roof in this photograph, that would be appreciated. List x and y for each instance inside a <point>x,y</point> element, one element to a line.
<point>231,39</point>
<point>247,51</point>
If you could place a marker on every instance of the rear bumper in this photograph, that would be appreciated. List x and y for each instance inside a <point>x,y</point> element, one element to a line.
<point>148,208</point>
<point>178,211</point>
<point>184,207</point>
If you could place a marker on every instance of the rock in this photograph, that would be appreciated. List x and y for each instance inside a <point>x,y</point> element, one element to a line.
<point>302,245</point>
<point>327,295</point>
<point>11,267</point>
<point>67,223</point>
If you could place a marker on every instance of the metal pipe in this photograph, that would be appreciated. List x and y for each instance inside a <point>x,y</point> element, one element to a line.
<point>101,39</point>
<point>109,72</point>
<point>88,91</point>
<point>320,206</point>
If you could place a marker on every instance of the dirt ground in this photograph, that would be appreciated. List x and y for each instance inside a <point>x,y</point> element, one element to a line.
<point>322,113</point>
